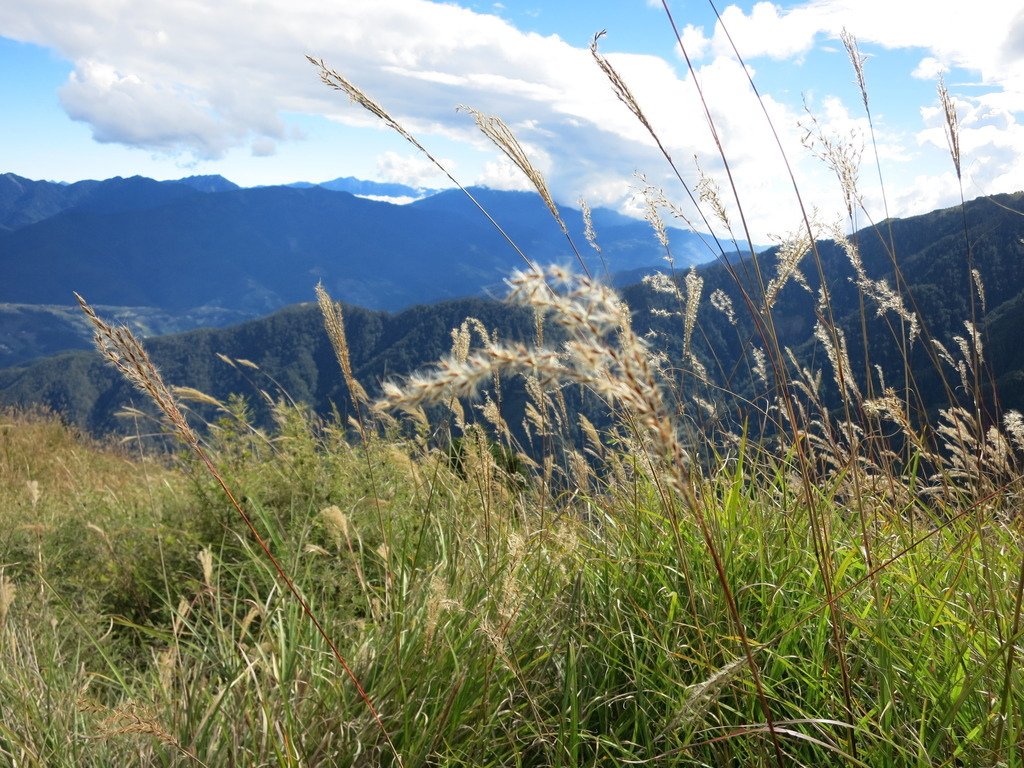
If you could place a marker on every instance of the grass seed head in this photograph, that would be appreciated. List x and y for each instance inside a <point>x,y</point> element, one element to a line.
<point>7,594</point>
<point>120,348</point>
<point>952,124</point>
<point>33,492</point>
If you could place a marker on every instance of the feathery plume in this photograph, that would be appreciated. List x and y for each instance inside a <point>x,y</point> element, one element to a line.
<point>709,192</point>
<point>694,287</point>
<point>839,358</point>
<point>501,135</point>
<point>857,60</point>
<point>884,296</point>
<point>205,558</point>
<point>33,492</point>
<point>652,198</point>
<point>952,124</point>
<point>122,349</point>
<point>659,282</point>
<point>338,82</point>
<point>1013,422</point>
<point>760,364</point>
<point>791,251</point>
<point>7,594</point>
<point>622,91</point>
<point>334,324</point>
<point>979,286</point>
<point>841,154</point>
<point>622,373</point>
<point>588,225</point>
<point>720,300</point>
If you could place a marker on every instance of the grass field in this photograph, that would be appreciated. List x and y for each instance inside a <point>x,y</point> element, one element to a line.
<point>842,586</point>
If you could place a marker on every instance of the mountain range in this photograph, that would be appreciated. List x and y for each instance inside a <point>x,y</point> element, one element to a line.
<point>202,250</point>
<point>372,189</point>
<point>935,254</point>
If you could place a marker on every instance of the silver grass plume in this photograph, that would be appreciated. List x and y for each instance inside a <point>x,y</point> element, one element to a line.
<point>885,297</point>
<point>694,287</point>
<point>334,324</point>
<point>622,91</point>
<point>720,300</point>
<point>857,59</point>
<point>622,373</point>
<point>709,192</point>
<point>120,348</point>
<point>338,82</point>
<point>501,135</point>
<point>841,154</point>
<point>834,343</point>
<point>588,225</point>
<point>952,124</point>
<point>791,251</point>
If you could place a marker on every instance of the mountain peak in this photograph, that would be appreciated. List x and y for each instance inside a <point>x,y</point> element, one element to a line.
<point>209,183</point>
<point>379,188</point>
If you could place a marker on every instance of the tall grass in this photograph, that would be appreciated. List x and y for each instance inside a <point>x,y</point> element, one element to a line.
<point>796,572</point>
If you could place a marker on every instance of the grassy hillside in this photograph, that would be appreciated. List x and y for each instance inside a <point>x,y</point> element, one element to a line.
<point>491,622</point>
<point>793,555</point>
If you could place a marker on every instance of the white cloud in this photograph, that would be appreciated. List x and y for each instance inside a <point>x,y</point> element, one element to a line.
<point>128,109</point>
<point>411,170</point>
<point>769,31</point>
<point>929,68</point>
<point>987,36</point>
<point>991,142</point>
<point>694,42</point>
<point>985,39</point>
<point>399,200</point>
<point>502,174</point>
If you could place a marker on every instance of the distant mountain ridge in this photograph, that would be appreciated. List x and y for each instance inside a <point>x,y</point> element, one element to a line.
<point>364,188</point>
<point>291,346</point>
<point>356,186</point>
<point>204,247</point>
<point>209,183</point>
<point>24,201</point>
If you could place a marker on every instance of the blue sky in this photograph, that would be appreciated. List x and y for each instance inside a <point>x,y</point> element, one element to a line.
<point>94,89</point>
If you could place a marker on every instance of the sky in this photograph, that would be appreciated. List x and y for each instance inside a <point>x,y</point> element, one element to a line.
<point>102,88</point>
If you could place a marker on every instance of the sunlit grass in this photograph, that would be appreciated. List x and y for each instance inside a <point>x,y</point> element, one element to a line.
<point>840,585</point>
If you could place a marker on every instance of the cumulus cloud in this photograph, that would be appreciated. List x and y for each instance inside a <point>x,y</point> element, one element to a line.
<point>955,37</point>
<point>991,141</point>
<point>929,68</point>
<point>411,170</point>
<point>502,174</point>
<point>230,73</point>
<point>694,42</point>
<point>769,31</point>
<point>128,109</point>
